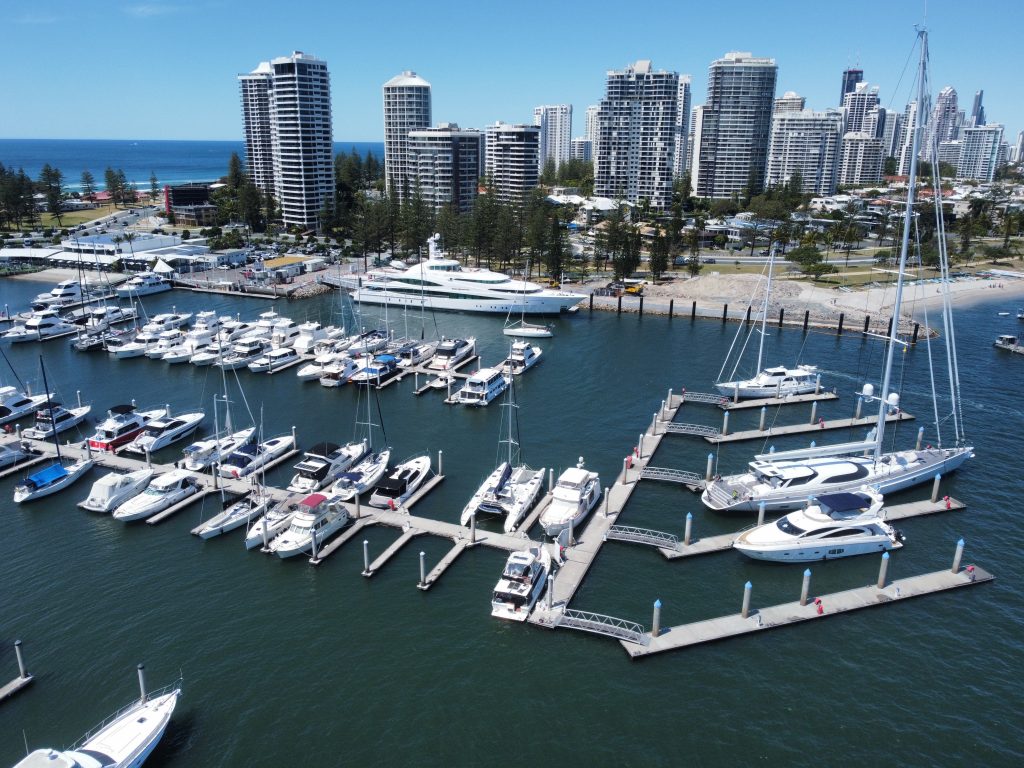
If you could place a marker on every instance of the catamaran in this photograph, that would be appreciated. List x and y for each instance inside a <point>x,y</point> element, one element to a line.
<point>784,480</point>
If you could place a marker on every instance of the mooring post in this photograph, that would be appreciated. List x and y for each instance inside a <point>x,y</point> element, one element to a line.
<point>782,314</point>
<point>817,384</point>
<point>725,423</point>
<point>711,466</point>
<point>551,478</point>
<point>366,557</point>
<point>807,317</point>
<point>736,392</point>
<point>620,304</point>
<point>572,535</point>
<point>917,327</point>
<point>839,328</point>
<point>294,437</point>
<point>935,487</point>
<point>883,570</point>
<point>149,461</point>
<point>472,528</point>
<point>671,304</point>
<point>449,388</point>
<point>440,462</point>
<point>625,470</point>
<point>764,415</point>
<point>591,302</point>
<point>778,391</point>
<point>920,437</point>
<point>641,306</point>
<point>806,588</point>
<point>668,399</point>
<point>606,503</point>
<point>725,312</point>
<point>958,556</point>
<point>416,380</point>
<point>747,589</point>
<point>760,512</point>
<point>78,396</point>
<point>860,403</point>
<point>867,324</point>
<point>312,543</point>
<point>22,672</point>
<point>359,510</point>
<point>689,529</point>
<point>661,412</point>
<point>693,310</point>
<point>747,318</point>
<point>142,683</point>
<point>656,621</point>
<point>266,537</point>
<point>423,568</point>
<point>814,412</point>
<point>551,591</point>
<point>640,447</point>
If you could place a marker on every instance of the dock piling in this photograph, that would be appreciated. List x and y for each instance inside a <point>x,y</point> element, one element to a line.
<point>760,512</point>
<point>747,589</point>
<point>883,570</point>
<point>693,310</point>
<point>725,312</point>
<point>689,529</point>
<point>440,462</point>
<point>814,412</point>
<point>867,324</point>
<point>640,446</point>
<point>625,470</point>
<point>747,318</point>
<point>782,314</point>
<point>78,396</point>
<point>551,591</point>
<point>920,437</point>
<point>149,460</point>
<point>472,528</point>
<point>860,404</point>
<point>312,542</point>
<point>641,310</point>
<point>956,558</point>
<point>654,419</point>
<point>359,511</point>
<point>935,487</point>
<point>656,620</point>
<point>764,415</point>
<point>806,588</point>
<point>266,537</point>
<point>778,391</point>
<point>142,683</point>
<point>22,672</point>
<point>735,393</point>
<point>294,438</point>
<point>449,389</point>
<point>423,568</point>
<point>366,557</point>
<point>619,308</point>
<point>807,317</point>
<point>711,465</point>
<point>839,328</point>
<point>917,328</point>
<point>571,541</point>
<point>725,423</point>
<point>817,384</point>
<point>671,304</point>
<point>606,504</point>
<point>551,478</point>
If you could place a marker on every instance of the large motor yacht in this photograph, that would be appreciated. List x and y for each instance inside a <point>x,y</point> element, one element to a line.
<point>521,357</point>
<point>322,464</point>
<point>482,387</point>
<point>401,483</point>
<point>65,292</point>
<point>122,425</point>
<point>521,584</point>
<point>250,457</point>
<point>143,284</point>
<point>55,419</point>
<point>442,283</point>
<point>318,518</point>
<point>831,526</point>
<point>773,382</point>
<point>161,432</point>
<point>42,325</point>
<point>115,488</point>
<point>14,404</point>
<point>451,352</point>
<point>162,493</point>
<point>575,494</point>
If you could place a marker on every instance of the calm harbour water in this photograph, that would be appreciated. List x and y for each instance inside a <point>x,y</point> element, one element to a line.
<point>286,664</point>
<point>173,162</point>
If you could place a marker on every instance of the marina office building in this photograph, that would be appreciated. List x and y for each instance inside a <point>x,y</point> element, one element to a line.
<point>286,109</point>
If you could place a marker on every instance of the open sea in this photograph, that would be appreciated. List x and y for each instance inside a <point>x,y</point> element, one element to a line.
<point>173,162</point>
<point>286,664</point>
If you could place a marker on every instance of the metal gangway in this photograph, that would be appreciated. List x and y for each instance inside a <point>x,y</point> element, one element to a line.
<point>702,397</point>
<point>668,475</point>
<point>642,536</point>
<point>702,430</point>
<point>600,624</point>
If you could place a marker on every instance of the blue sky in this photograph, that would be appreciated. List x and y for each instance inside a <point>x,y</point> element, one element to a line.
<point>166,69</point>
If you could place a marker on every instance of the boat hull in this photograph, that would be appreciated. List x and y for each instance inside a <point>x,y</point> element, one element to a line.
<point>819,550</point>
<point>75,471</point>
<point>551,305</point>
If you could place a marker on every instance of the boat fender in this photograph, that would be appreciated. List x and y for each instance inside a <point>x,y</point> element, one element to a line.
<point>820,606</point>
<point>391,504</point>
<point>8,428</point>
<point>949,503</point>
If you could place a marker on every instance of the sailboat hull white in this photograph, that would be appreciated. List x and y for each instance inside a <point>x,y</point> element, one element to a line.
<point>75,471</point>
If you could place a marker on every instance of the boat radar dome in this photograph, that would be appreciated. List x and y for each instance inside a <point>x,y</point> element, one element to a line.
<point>432,249</point>
<point>868,390</point>
<point>893,399</point>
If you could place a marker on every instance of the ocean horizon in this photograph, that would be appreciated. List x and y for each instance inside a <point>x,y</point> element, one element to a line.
<point>172,161</point>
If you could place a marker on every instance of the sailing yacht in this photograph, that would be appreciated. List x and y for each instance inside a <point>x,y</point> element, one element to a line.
<point>236,514</point>
<point>58,475</point>
<point>523,329</point>
<point>777,381</point>
<point>364,474</point>
<point>784,480</point>
<point>512,488</point>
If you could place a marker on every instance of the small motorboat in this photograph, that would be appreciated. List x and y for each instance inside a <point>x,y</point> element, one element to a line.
<point>831,526</point>
<point>12,453</point>
<point>521,584</point>
<point>161,432</point>
<point>400,483</point>
<point>574,495</point>
<point>243,352</point>
<point>115,488</point>
<point>15,404</point>
<point>163,492</point>
<point>321,465</point>
<point>376,371</point>
<point>123,740</point>
<point>317,519</point>
<point>42,325</point>
<point>415,354</point>
<point>250,457</point>
<point>56,419</point>
<point>122,425</point>
<point>236,514</point>
<point>340,372</point>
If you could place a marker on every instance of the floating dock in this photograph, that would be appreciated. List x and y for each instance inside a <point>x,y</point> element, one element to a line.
<point>799,429</point>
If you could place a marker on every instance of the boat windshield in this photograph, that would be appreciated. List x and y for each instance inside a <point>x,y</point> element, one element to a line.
<point>516,571</point>
<point>787,527</point>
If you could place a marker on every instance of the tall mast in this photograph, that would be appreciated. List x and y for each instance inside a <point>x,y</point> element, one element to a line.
<point>921,116</point>
<point>764,312</point>
<point>49,407</point>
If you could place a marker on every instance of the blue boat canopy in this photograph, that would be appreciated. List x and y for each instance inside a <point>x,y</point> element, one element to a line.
<point>47,476</point>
